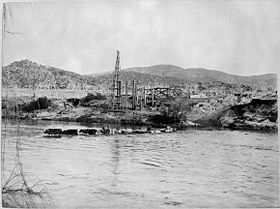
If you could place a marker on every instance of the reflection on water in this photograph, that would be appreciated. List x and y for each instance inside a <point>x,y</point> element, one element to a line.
<point>184,169</point>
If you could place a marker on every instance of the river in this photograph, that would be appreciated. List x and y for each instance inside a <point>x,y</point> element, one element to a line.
<point>192,168</point>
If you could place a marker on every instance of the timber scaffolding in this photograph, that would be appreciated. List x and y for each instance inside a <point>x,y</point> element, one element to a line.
<point>137,98</point>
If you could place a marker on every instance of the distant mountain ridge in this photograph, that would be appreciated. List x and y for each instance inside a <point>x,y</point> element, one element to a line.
<point>28,74</point>
<point>204,75</point>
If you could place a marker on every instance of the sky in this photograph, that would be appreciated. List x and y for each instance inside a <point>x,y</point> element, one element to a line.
<point>237,37</point>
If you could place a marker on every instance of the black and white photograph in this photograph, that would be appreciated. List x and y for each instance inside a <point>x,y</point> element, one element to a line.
<point>140,104</point>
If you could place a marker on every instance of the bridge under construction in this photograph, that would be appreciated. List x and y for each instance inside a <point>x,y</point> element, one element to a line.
<point>129,95</point>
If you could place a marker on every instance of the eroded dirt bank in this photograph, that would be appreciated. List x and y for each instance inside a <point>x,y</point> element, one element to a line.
<point>258,114</point>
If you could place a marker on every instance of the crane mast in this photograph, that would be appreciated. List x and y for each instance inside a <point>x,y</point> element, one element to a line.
<point>116,89</point>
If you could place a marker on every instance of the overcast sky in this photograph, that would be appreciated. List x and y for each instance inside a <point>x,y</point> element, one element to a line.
<point>238,37</point>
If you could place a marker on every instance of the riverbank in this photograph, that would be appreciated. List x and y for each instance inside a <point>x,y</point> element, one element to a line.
<point>89,115</point>
<point>259,114</point>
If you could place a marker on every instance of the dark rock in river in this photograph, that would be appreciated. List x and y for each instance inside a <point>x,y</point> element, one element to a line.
<point>70,132</point>
<point>56,133</point>
<point>87,131</point>
<point>53,131</point>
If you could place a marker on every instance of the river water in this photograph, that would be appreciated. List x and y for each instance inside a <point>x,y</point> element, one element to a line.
<point>192,168</point>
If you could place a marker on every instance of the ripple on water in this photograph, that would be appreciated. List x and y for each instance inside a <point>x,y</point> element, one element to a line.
<point>222,168</point>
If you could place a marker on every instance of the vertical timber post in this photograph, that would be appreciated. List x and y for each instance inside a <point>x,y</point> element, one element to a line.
<point>153,97</point>
<point>126,95</point>
<point>115,86</point>
<point>145,97</point>
<point>119,85</point>
<point>136,95</point>
<point>133,94</point>
<point>140,102</point>
<point>113,94</point>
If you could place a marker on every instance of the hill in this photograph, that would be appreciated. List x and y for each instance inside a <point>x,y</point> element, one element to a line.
<point>143,79</point>
<point>204,75</point>
<point>173,75</point>
<point>28,74</point>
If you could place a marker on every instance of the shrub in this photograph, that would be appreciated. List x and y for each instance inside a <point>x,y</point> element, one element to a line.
<point>97,96</point>
<point>43,103</point>
<point>174,112</point>
<point>39,104</point>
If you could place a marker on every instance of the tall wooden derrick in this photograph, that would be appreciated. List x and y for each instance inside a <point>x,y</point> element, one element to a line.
<point>116,88</point>
<point>140,96</point>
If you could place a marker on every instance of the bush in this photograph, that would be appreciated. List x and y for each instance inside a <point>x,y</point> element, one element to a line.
<point>174,112</point>
<point>39,104</point>
<point>43,103</point>
<point>97,96</point>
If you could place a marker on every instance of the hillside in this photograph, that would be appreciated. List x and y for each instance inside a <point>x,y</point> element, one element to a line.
<point>28,74</point>
<point>173,75</point>
<point>204,75</point>
<point>143,79</point>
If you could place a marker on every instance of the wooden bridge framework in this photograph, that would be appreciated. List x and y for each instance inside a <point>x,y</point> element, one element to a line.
<point>130,95</point>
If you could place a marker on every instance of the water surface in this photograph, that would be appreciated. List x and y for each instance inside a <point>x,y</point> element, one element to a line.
<point>192,168</point>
